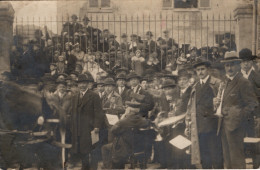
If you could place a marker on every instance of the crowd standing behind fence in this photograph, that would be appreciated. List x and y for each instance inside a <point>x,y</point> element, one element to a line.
<point>83,45</point>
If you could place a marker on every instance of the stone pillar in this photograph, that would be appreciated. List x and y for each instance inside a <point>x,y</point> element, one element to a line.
<point>244,31</point>
<point>6,34</point>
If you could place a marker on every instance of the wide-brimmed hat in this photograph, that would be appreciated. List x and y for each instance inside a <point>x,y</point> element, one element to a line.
<point>149,33</point>
<point>121,76</point>
<point>74,16</point>
<point>246,54</point>
<point>58,82</point>
<point>85,18</point>
<point>200,62</point>
<point>133,35</point>
<point>84,78</point>
<point>122,69</point>
<point>133,75</point>
<point>109,81</point>
<point>165,31</point>
<point>112,36</point>
<point>168,83</point>
<point>123,35</point>
<point>183,73</point>
<point>100,82</point>
<point>230,57</point>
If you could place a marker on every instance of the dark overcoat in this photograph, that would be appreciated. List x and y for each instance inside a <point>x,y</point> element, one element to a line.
<point>86,115</point>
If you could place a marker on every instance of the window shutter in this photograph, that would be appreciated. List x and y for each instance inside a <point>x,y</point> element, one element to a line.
<point>204,3</point>
<point>167,3</point>
<point>105,3</point>
<point>93,3</point>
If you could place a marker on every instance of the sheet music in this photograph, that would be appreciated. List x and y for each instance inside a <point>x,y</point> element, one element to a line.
<point>112,119</point>
<point>180,142</point>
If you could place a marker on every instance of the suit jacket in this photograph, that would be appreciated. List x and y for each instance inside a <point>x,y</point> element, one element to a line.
<point>87,114</point>
<point>147,103</point>
<point>123,94</point>
<point>113,104</point>
<point>239,101</point>
<point>206,122</point>
<point>150,48</point>
<point>182,101</point>
<point>254,78</point>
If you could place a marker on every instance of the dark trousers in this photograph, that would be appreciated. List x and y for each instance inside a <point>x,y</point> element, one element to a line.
<point>85,159</point>
<point>210,151</point>
<point>233,148</point>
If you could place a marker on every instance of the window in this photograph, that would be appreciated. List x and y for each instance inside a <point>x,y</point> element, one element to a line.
<point>93,3</point>
<point>182,4</point>
<point>185,3</point>
<point>167,3</point>
<point>220,38</point>
<point>99,3</point>
<point>204,3</point>
<point>105,3</point>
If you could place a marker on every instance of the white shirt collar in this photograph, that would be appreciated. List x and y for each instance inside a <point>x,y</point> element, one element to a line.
<point>246,75</point>
<point>204,80</point>
<point>84,92</point>
<point>231,78</point>
<point>184,90</point>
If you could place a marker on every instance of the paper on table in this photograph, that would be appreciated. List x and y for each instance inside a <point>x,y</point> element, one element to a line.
<point>112,119</point>
<point>171,120</point>
<point>180,142</point>
<point>94,137</point>
<point>251,140</point>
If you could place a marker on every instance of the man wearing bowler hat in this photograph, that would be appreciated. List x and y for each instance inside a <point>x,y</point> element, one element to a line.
<point>249,73</point>
<point>201,124</point>
<point>87,116</point>
<point>236,100</point>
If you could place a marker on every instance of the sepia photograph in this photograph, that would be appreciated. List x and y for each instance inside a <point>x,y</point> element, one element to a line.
<point>129,84</point>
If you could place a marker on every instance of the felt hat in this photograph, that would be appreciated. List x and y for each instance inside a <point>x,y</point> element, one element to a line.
<point>230,57</point>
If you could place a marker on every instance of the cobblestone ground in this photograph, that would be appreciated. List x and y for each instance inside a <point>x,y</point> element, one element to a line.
<point>149,166</point>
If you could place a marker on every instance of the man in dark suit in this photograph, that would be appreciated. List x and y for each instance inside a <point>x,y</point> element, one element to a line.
<point>235,105</point>
<point>249,73</point>
<point>206,145</point>
<point>87,116</point>
<point>121,88</point>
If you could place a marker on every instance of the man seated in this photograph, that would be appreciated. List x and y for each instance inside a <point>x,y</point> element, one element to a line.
<point>138,103</point>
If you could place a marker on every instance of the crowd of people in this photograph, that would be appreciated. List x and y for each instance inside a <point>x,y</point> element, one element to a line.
<point>86,75</point>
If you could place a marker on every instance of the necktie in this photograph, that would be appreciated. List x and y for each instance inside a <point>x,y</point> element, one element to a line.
<point>81,95</point>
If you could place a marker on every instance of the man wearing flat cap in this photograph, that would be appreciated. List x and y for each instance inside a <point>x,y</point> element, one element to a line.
<point>236,100</point>
<point>250,74</point>
<point>87,116</point>
<point>201,124</point>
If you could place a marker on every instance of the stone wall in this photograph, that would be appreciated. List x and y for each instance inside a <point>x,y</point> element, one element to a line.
<point>6,34</point>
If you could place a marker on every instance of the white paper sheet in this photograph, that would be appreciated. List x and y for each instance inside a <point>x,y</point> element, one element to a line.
<point>112,119</point>
<point>171,120</point>
<point>180,142</point>
<point>251,140</point>
<point>94,137</point>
